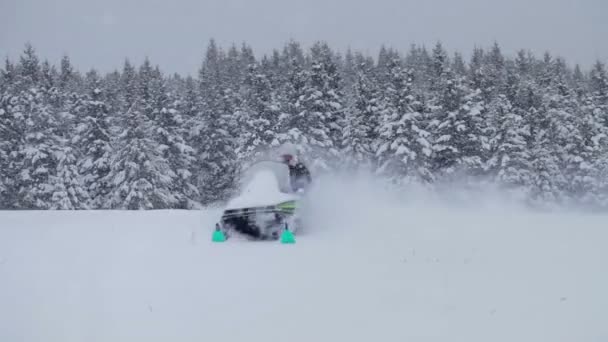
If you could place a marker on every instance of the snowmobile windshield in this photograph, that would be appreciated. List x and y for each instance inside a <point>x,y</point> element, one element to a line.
<point>279,171</point>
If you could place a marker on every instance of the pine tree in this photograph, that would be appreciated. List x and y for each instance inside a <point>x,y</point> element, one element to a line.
<point>30,125</point>
<point>472,136</point>
<point>599,84</point>
<point>48,81</point>
<point>598,106</point>
<point>112,92</point>
<point>477,72</point>
<point>259,114</point>
<point>68,77</point>
<point>495,73</point>
<point>545,173</point>
<point>458,65</point>
<point>216,144</point>
<point>140,174</point>
<point>588,159</point>
<point>564,111</point>
<point>171,138</point>
<point>362,119</point>
<point>404,145</point>
<point>447,96</point>
<point>418,60</point>
<point>348,74</point>
<point>128,87</point>
<point>321,109</point>
<point>29,66</point>
<point>36,160</point>
<point>9,134</point>
<point>94,141</point>
<point>140,177</point>
<point>509,161</point>
<point>579,82</point>
<point>290,92</point>
<point>68,190</point>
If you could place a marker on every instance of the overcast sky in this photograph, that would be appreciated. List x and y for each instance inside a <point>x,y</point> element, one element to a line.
<point>174,33</point>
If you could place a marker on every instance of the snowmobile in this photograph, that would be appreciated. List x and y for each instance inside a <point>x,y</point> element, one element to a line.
<point>266,208</point>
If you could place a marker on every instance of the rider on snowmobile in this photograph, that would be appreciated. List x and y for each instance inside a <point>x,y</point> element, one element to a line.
<point>299,175</point>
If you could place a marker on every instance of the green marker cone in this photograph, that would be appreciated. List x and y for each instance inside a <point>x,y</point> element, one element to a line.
<point>287,236</point>
<point>218,234</point>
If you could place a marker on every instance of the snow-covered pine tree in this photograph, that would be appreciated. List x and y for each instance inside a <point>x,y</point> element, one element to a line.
<point>112,93</point>
<point>385,57</point>
<point>494,78</point>
<point>128,87</point>
<point>404,145</point>
<point>599,84</point>
<point>321,110</point>
<point>472,133</point>
<point>598,106</point>
<point>21,98</point>
<point>260,112</point>
<point>69,99</point>
<point>140,175</point>
<point>544,190</point>
<point>289,94</point>
<point>171,133</point>
<point>509,161</point>
<point>49,80</point>
<point>418,60</point>
<point>189,107</point>
<point>68,78</point>
<point>94,141</point>
<point>362,116</point>
<point>189,101</point>
<point>233,70</point>
<point>446,98</point>
<point>36,154</point>
<point>458,122</point>
<point>216,142</point>
<point>586,166</point>
<point>68,189</point>
<point>9,134</point>
<point>247,58</point>
<point>271,67</point>
<point>192,109</point>
<point>29,68</point>
<point>477,70</point>
<point>31,138</point>
<point>524,65</point>
<point>579,83</point>
<point>348,74</point>
<point>564,112</point>
<point>458,65</point>
<point>543,159</point>
<point>487,83</point>
<point>64,102</point>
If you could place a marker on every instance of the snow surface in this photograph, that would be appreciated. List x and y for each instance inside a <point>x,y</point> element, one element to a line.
<point>370,267</point>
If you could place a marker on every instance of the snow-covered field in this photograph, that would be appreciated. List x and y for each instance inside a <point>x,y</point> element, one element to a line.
<point>369,268</point>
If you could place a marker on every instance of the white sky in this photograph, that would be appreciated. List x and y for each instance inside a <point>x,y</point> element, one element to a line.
<point>174,33</point>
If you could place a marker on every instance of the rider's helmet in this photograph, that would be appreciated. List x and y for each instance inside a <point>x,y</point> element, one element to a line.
<point>288,159</point>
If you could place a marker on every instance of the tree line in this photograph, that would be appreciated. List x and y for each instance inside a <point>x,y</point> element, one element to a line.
<point>137,138</point>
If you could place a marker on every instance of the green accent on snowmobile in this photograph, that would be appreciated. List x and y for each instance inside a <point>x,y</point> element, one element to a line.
<point>218,236</point>
<point>287,206</point>
<point>287,236</point>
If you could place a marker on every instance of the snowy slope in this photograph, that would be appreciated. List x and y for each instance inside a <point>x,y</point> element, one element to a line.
<point>373,268</point>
